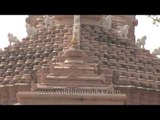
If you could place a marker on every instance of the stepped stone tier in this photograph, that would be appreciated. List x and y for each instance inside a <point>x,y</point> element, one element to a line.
<point>77,60</point>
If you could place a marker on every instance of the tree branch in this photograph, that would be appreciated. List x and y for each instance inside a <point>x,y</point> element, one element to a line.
<point>154,19</point>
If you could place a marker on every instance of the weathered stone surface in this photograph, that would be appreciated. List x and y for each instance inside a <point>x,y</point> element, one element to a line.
<point>137,67</point>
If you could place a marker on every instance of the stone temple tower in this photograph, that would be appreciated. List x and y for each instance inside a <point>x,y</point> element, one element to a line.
<point>79,59</point>
<point>118,20</point>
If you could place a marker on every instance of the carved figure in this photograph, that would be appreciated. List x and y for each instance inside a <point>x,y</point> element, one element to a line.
<point>31,31</point>
<point>141,42</point>
<point>124,31</point>
<point>106,22</point>
<point>12,38</point>
<point>48,21</point>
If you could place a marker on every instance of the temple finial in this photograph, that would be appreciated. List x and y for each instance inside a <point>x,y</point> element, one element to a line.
<point>76,30</point>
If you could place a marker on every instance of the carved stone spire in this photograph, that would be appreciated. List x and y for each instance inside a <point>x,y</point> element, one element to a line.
<point>76,31</point>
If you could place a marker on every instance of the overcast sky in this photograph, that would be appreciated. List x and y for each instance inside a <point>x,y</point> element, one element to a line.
<point>16,25</point>
<point>145,27</point>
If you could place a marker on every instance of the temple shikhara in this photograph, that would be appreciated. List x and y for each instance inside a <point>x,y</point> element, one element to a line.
<point>79,60</point>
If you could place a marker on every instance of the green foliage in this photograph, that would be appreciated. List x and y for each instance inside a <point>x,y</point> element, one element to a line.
<point>155,18</point>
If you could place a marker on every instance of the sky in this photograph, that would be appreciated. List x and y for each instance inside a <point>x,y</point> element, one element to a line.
<point>145,27</point>
<point>15,24</point>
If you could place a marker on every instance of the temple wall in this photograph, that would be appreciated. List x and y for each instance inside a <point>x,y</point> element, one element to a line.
<point>140,97</point>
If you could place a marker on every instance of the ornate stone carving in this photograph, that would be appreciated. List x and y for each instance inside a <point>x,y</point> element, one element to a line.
<point>12,38</point>
<point>141,42</point>
<point>31,31</point>
<point>123,33</point>
<point>48,21</point>
<point>106,22</point>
